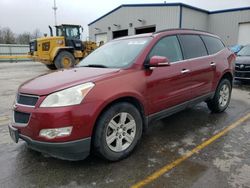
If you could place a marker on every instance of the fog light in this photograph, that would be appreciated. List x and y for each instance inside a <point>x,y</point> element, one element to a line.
<point>54,133</point>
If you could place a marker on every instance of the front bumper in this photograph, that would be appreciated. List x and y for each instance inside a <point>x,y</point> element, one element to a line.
<point>28,121</point>
<point>72,150</point>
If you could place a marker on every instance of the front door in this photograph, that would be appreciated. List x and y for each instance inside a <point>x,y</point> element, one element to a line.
<point>168,86</point>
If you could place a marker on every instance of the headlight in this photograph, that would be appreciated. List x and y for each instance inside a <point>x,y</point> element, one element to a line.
<point>57,132</point>
<point>68,97</point>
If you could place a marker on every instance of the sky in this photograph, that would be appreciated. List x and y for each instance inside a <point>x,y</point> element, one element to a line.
<point>28,15</point>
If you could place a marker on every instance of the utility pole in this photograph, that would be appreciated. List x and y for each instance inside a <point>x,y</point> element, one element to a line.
<point>55,9</point>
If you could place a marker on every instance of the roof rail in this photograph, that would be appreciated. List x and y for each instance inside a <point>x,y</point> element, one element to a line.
<point>186,29</point>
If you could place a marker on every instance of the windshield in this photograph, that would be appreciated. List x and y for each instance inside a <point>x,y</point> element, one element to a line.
<point>116,54</point>
<point>69,32</point>
<point>245,51</point>
<point>72,32</point>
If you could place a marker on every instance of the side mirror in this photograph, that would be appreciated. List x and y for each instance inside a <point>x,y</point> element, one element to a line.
<point>158,61</point>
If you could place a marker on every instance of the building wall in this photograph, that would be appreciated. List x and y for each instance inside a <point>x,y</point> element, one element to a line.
<point>223,24</point>
<point>194,19</point>
<point>161,17</point>
<point>226,25</point>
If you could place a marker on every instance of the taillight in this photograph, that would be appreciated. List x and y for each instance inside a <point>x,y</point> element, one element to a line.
<point>231,60</point>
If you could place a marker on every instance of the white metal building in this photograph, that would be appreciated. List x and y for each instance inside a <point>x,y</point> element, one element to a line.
<point>232,25</point>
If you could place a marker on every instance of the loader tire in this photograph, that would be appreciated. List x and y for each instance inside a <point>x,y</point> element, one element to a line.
<point>64,60</point>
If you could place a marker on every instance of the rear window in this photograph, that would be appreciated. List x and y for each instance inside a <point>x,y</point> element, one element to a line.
<point>213,44</point>
<point>192,46</point>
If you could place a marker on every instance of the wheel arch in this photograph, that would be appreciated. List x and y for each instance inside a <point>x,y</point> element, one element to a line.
<point>58,50</point>
<point>129,99</point>
<point>227,75</point>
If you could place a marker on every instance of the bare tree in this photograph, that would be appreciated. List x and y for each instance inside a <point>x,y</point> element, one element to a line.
<point>8,36</point>
<point>23,38</point>
<point>1,37</point>
<point>36,34</point>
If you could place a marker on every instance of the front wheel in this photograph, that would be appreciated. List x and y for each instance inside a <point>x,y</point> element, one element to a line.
<point>222,97</point>
<point>118,131</point>
<point>64,60</point>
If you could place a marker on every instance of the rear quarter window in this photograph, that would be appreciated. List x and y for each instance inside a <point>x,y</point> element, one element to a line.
<point>213,44</point>
<point>192,46</point>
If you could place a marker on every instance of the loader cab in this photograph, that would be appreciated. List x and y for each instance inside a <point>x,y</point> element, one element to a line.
<point>69,31</point>
<point>72,35</point>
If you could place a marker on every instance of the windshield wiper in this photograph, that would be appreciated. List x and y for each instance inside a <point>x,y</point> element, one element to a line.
<point>95,65</point>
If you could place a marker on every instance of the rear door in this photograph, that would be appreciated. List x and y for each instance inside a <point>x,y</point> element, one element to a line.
<point>202,66</point>
<point>168,86</point>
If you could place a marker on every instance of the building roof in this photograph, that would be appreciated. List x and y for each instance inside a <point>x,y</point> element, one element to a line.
<point>169,5</point>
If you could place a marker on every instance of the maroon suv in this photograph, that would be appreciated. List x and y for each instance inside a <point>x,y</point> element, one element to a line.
<point>106,102</point>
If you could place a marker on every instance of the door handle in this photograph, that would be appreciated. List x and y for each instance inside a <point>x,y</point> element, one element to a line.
<point>184,71</point>
<point>213,64</point>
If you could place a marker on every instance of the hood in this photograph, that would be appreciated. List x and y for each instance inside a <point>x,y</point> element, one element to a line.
<point>49,83</point>
<point>242,60</point>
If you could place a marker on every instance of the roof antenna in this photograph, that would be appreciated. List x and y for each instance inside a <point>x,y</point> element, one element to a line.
<point>165,2</point>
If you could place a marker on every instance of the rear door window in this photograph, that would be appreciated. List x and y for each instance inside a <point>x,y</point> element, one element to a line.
<point>213,44</point>
<point>168,47</point>
<point>192,46</point>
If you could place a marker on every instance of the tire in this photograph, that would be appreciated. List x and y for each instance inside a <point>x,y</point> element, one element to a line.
<point>64,60</point>
<point>115,141</point>
<point>51,66</point>
<point>222,96</point>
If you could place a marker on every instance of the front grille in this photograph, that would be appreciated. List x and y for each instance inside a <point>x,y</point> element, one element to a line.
<point>33,46</point>
<point>242,67</point>
<point>242,74</point>
<point>21,117</point>
<point>28,100</point>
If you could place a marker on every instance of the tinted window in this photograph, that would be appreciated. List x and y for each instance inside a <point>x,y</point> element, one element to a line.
<point>168,47</point>
<point>192,46</point>
<point>213,44</point>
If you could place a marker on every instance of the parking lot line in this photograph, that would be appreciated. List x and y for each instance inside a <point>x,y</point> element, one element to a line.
<point>4,120</point>
<point>188,154</point>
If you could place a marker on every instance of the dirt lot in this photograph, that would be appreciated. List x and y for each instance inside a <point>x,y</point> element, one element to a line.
<point>223,162</point>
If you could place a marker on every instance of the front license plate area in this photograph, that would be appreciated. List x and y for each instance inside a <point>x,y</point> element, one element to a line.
<point>14,134</point>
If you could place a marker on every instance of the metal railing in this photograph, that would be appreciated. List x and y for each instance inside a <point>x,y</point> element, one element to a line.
<point>13,50</point>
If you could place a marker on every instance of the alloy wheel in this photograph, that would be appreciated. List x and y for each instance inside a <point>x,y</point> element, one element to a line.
<point>120,132</point>
<point>224,95</point>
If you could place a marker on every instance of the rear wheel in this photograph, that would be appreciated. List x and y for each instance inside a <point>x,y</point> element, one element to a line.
<point>64,60</point>
<point>222,97</point>
<point>118,131</point>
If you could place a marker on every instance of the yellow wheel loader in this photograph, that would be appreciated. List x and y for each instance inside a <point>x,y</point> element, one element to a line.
<point>63,50</point>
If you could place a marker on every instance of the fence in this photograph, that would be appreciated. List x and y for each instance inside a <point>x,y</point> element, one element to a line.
<point>13,49</point>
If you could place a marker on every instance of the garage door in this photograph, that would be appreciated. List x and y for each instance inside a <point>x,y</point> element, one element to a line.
<point>145,30</point>
<point>244,33</point>
<point>120,33</point>
<point>101,37</point>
